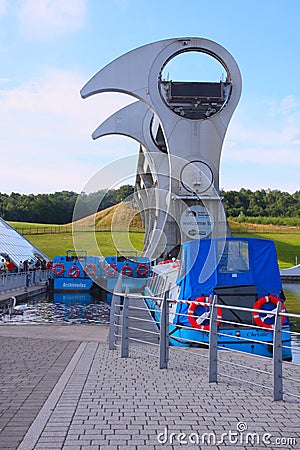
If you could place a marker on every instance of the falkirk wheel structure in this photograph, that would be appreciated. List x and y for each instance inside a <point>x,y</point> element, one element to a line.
<point>180,127</point>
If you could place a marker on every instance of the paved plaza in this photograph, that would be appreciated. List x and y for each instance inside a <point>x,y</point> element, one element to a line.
<point>61,388</point>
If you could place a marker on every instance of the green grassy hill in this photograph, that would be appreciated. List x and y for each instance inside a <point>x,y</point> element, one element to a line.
<point>111,226</point>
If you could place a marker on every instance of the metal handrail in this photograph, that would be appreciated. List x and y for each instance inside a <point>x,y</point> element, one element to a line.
<point>13,281</point>
<point>120,312</point>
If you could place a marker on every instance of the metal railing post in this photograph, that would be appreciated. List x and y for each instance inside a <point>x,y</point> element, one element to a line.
<point>277,356</point>
<point>114,322</point>
<point>164,334</point>
<point>213,344</point>
<point>114,318</point>
<point>125,327</point>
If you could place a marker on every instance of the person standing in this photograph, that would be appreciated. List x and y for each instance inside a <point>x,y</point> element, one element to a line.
<point>2,266</point>
<point>10,266</point>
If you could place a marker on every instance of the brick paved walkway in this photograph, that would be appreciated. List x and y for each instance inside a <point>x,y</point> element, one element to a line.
<point>30,368</point>
<point>93,399</point>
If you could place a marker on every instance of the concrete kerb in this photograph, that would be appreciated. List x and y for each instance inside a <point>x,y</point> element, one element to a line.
<point>38,425</point>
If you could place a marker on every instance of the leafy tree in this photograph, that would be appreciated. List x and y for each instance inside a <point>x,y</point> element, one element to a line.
<point>124,192</point>
<point>58,207</point>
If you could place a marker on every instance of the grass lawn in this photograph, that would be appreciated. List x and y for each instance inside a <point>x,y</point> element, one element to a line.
<point>292,304</point>
<point>287,246</point>
<point>57,244</point>
<point>287,239</point>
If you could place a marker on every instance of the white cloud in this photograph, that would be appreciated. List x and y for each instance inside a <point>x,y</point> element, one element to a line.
<point>266,132</point>
<point>46,130</point>
<point>47,19</point>
<point>57,95</point>
<point>123,4</point>
<point>3,7</point>
<point>287,106</point>
<point>44,95</point>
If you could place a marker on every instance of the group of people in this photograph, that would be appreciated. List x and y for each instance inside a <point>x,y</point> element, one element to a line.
<point>38,264</point>
<point>8,266</point>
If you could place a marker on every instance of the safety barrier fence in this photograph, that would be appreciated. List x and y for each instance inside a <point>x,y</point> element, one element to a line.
<point>67,229</point>
<point>129,323</point>
<point>13,281</point>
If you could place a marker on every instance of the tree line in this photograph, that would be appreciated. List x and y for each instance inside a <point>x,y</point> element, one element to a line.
<point>57,208</point>
<point>261,203</point>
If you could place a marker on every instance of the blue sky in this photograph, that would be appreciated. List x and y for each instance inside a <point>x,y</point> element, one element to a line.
<point>50,48</point>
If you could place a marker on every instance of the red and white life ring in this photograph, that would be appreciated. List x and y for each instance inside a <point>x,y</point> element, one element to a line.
<point>74,272</point>
<point>58,268</point>
<point>142,270</point>
<point>126,271</point>
<point>176,264</point>
<point>196,320</point>
<point>111,269</point>
<point>259,318</point>
<point>90,269</point>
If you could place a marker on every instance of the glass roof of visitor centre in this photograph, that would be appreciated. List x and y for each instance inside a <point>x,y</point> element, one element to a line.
<point>14,246</point>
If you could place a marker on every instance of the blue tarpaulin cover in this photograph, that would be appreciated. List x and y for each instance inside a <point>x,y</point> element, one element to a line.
<point>208,263</point>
